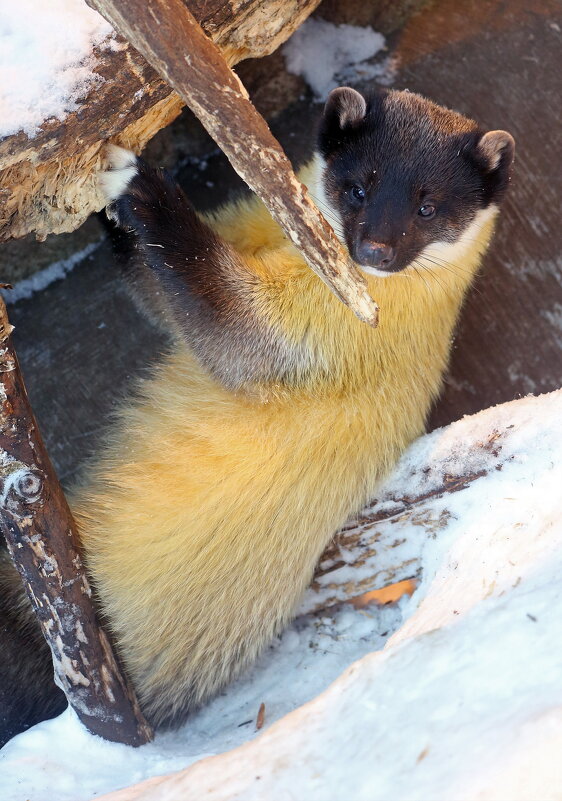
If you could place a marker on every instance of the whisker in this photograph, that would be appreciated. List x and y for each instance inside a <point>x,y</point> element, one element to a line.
<point>442,286</point>
<point>418,272</point>
<point>447,264</point>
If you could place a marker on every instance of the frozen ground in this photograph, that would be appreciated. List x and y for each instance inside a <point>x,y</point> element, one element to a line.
<point>43,278</point>
<point>48,762</point>
<point>328,55</point>
<point>464,700</point>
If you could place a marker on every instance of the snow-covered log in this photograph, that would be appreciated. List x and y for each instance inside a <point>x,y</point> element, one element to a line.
<point>78,85</point>
<point>464,701</point>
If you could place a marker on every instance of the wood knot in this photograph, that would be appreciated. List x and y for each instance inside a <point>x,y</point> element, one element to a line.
<point>29,486</point>
<point>19,484</point>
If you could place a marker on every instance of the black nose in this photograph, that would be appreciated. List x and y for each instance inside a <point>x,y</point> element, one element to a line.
<point>375,254</point>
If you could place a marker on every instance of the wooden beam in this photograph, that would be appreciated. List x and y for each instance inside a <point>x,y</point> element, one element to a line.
<point>171,40</point>
<point>48,179</point>
<point>42,540</point>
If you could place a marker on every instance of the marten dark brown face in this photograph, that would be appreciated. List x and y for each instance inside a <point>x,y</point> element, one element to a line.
<point>403,173</point>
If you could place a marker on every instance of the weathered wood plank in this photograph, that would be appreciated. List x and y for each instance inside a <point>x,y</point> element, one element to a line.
<point>200,75</point>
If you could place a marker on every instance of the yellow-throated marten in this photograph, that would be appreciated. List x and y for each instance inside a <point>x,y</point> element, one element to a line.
<point>277,411</point>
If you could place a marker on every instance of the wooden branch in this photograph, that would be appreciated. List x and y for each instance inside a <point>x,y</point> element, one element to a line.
<point>42,540</point>
<point>384,544</point>
<point>48,180</point>
<point>171,40</point>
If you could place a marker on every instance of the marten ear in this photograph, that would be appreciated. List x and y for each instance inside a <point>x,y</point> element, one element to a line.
<point>496,148</point>
<point>494,153</point>
<point>345,109</point>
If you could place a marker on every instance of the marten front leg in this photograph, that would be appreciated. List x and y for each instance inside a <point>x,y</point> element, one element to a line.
<point>213,296</point>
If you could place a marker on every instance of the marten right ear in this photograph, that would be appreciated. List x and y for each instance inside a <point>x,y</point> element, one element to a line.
<point>345,109</point>
<point>494,154</point>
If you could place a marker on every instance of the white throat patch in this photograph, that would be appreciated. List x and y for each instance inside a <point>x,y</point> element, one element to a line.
<point>435,255</point>
<point>441,254</point>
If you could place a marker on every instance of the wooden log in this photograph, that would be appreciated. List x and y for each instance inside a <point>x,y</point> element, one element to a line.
<point>42,540</point>
<point>375,550</point>
<point>172,41</point>
<point>48,180</point>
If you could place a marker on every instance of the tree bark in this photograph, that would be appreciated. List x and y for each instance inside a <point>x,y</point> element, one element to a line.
<point>171,40</point>
<point>49,180</point>
<point>42,540</point>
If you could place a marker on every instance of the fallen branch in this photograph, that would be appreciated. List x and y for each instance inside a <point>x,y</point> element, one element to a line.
<point>384,544</point>
<point>42,540</point>
<point>48,179</point>
<point>171,40</point>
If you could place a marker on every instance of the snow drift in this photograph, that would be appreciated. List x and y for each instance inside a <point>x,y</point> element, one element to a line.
<point>464,700</point>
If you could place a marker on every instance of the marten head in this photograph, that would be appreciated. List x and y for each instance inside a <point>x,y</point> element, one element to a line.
<point>402,174</point>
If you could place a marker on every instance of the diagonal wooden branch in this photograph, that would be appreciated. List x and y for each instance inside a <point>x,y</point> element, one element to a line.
<point>42,540</point>
<point>169,37</point>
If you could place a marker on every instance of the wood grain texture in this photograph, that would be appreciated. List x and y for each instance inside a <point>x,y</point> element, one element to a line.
<point>373,551</point>
<point>48,181</point>
<point>42,540</point>
<point>200,75</point>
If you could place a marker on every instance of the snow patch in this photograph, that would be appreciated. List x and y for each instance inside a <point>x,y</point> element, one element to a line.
<point>328,55</point>
<point>463,701</point>
<point>48,761</point>
<point>46,60</point>
<point>54,272</point>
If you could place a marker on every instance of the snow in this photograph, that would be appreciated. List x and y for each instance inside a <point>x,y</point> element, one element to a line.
<point>46,60</point>
<point>43,278</point>
<point>48,760</point>
<point>454,693</point>
<point>328,55</point>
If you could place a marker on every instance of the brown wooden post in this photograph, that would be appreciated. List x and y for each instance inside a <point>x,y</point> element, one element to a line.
<point>42,540</point>
<point>170,38</point>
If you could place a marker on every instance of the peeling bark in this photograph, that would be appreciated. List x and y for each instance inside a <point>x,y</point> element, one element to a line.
<point>375,550</point>
<point>172,41</point>
<point>48,181</point>
<point>42,540</point>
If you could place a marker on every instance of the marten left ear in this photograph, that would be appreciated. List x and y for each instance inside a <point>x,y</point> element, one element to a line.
<point>496,148</point>
<point>345,109</point>
<point>345,106</point>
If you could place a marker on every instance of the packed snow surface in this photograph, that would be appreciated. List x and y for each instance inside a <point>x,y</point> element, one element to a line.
<point>48,761</point>
<point>328,55</point>
<point>452,694</point>
<point>46,60</point>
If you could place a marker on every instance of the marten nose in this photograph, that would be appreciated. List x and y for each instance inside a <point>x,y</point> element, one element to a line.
<point>375,254</point>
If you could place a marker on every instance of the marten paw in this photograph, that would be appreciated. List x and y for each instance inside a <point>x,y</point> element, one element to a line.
<point>114,182</point>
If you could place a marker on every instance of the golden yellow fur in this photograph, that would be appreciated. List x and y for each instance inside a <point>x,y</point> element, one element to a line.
<point>205,516</point>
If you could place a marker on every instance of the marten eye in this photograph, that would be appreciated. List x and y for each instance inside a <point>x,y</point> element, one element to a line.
<point>358,193</point>
<point>426,210</point>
